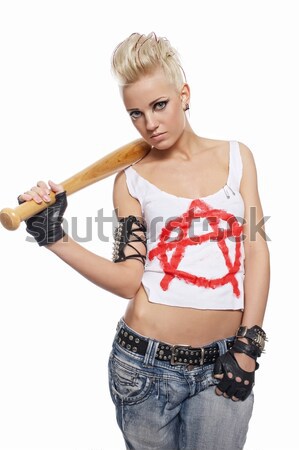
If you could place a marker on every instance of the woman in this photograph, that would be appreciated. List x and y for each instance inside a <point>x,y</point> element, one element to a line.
<point>188,257</point>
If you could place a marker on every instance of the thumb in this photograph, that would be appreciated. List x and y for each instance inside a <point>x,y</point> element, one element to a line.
<point>57,188</point>
<point>218,369</point>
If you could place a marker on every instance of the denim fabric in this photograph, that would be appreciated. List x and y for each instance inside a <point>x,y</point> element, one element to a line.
<point>160,406</point>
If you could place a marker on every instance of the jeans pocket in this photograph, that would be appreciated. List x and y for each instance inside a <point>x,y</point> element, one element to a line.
<point>127,383</point>
<point>208,378</point>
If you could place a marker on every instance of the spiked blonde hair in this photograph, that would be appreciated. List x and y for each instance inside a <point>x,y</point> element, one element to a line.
<point>142,54</point>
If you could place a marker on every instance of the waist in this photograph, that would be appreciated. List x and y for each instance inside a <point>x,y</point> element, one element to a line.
<point>145,347</point>
<point>176,325</point>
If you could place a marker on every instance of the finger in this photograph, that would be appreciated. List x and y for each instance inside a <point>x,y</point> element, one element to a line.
<point>218,369</point>
<point>24,197</point>
<point>39,194</point>
<point>219,376</point>
<point>224,394</point>
<point>235,399</point>
<point>44,186</point>
<point>218,392</point>
<point>57,188</point>
<point>30,195</point>
<point>231,391</point>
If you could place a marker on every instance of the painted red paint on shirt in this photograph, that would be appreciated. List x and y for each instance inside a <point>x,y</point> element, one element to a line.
<point>199,209</point>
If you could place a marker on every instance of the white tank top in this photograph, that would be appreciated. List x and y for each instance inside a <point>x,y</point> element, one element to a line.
<point>195,252</point>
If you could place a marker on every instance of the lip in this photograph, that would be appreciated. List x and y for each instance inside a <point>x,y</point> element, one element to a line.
<point>157,136</point>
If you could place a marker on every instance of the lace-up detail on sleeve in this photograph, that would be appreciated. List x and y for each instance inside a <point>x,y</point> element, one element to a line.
<point>129,230</point>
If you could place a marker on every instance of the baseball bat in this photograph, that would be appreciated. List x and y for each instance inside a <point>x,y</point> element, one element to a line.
<point>111,163</point>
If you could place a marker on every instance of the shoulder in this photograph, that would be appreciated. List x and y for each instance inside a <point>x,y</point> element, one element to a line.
<point>212,144</point>
<point>249,180</point>
<point>246,154</point>
<point>248,161</point>
<point>216,150</point>
<point>119,179</point>
<point>217,147</point>
<point>120,186</point>
<point>123,201</point>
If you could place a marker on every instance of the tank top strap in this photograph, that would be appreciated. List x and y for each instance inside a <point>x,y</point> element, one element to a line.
<point>235,166</point>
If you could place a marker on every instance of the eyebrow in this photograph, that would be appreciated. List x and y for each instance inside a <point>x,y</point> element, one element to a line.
<point>151,103</point>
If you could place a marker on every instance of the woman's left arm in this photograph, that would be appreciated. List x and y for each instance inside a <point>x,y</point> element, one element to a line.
<point>257,258</point>
<point>256,288</point>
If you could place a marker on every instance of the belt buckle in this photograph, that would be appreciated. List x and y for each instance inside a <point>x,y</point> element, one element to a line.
<point>174,353</point>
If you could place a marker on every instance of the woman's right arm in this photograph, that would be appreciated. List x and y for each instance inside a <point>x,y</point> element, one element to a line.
<point>120,278</point>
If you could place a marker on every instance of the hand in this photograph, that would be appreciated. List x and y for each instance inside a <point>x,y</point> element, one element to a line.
<point>236,382</point>
<point>40,192</point>
<point>46,226</point>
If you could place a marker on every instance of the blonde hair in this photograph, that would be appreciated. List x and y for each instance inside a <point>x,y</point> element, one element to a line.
<point>142,54</point>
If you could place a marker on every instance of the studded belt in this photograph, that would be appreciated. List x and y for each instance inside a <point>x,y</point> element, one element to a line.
<point>174,354</point>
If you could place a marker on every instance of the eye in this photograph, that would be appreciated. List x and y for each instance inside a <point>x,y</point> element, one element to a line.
<point>135,114</point>
<point>160,105</point>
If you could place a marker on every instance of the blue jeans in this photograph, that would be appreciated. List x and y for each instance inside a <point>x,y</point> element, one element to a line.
<point>173,407</point>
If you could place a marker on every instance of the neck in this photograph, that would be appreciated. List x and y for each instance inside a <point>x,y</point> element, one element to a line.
<point>184,149</point>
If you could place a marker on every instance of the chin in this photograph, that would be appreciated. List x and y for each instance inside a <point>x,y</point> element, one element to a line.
<point>161,147</point>
<point>166,145</point>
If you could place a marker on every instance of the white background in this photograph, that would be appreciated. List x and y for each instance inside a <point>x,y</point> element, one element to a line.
<point>60,111</point>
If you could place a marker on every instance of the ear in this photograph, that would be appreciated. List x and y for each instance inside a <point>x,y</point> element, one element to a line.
<point>185,95</point>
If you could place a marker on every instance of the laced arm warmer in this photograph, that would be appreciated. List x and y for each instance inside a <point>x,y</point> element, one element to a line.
<point>124,235</point>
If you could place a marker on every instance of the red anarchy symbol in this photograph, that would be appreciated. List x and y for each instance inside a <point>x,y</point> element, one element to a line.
<point>199,209</point>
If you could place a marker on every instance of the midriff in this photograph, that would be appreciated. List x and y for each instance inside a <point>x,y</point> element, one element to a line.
<point>176,325</point>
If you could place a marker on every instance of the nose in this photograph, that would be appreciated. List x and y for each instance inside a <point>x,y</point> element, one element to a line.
<point>151,122</point>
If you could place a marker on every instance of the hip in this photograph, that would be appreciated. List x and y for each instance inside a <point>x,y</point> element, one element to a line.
<point>154,358</point>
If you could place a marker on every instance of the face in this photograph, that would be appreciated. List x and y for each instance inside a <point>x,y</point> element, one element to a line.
<point>156,109</point>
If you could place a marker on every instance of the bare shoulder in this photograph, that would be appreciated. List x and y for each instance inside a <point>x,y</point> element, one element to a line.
<point>212,144</point>
<point>216,151</point>
<point>249,167</point>
<point>246,153</point>
<point>222,145</point>
<point>119,180</point>
<point>124,203</point>
<point>121,193</point>
<point>249,181</point>
<point>219,148</point>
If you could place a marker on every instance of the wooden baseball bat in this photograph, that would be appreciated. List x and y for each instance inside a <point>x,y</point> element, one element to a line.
<point>111,163</point>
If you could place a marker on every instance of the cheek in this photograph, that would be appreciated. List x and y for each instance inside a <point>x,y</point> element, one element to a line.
<point>177,120</point>
<point>140,128</point>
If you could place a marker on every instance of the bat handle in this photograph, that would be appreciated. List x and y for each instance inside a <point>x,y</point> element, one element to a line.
<point>11,218</point>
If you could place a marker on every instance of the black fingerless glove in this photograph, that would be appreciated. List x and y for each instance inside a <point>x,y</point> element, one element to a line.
<point>46,226</point>
<point>236,382</point>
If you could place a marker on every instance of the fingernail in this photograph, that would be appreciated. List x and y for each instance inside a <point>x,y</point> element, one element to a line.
<point>46,198</point>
